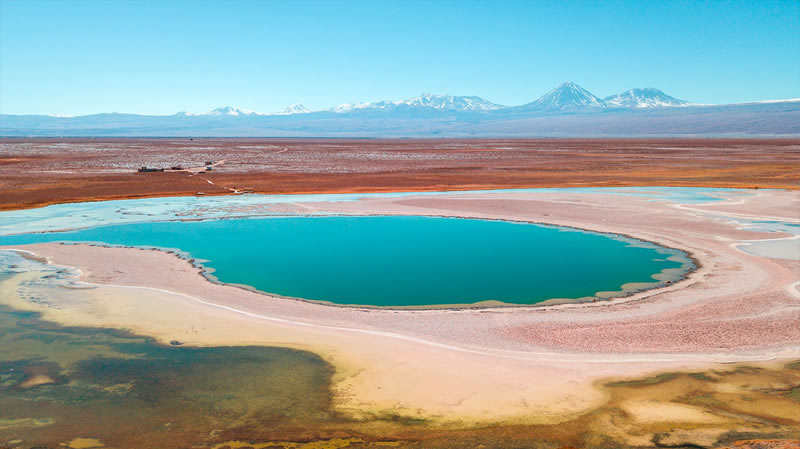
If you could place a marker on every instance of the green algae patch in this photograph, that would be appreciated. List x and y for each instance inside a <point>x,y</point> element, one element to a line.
<point>133,389</point>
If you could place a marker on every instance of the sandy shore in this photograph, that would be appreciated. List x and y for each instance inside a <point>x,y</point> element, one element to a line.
<point>531,364</point>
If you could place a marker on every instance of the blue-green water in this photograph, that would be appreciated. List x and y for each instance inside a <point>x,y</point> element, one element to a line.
<point>396,261</point>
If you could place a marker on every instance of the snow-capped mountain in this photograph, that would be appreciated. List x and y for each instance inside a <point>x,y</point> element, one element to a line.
<point>765,118</point>
<point>567,96</point>
<point>347,107</point>
<point>296,108</point>
<point>451,103</point>
<point>648,97</point>
<point>230,111</point>
<point>425,101</point>
<point>567,110</point>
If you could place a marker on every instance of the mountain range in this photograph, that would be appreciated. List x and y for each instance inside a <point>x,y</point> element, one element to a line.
<point>567,110</point>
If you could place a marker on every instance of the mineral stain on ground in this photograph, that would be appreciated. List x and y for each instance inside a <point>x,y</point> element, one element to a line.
<point>111,389</point>
<point>123,389</point>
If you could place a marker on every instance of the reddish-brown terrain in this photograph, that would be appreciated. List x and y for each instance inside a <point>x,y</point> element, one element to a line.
<point>37,172</point>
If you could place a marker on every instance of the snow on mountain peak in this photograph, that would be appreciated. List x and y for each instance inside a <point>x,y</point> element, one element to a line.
<point>426,101</point>
<point>568,96</point>
<point>296,108</point>
<point>648,97</point>
<point>230,111</point>
<point>451,102</point>
<point>347,107</point>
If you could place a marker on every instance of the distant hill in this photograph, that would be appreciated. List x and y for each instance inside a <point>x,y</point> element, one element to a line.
<point>648,97</point>
<point>566,111</point>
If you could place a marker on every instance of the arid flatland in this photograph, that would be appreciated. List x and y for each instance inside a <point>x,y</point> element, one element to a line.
<point>37,172</point>
<point>707,360</point>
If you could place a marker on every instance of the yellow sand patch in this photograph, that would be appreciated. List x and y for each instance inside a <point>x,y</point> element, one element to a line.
<point>334,443</point>
<point>645,411</point>
<point>84,443</point>
<point>35,381</point>
<point>727,388</point>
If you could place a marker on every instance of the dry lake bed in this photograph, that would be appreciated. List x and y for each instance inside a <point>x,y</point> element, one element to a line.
<point>671,320</point>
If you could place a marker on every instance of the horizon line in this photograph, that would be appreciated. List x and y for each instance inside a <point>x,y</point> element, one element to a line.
<point>332,109</point>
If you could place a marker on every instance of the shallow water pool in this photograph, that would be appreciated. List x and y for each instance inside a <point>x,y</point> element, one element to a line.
<point>398,260</point>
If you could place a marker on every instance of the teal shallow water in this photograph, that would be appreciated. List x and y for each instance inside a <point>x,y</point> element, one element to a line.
<point>397,261</point>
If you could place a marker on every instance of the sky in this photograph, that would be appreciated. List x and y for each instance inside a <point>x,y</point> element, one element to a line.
<point>160,57</point>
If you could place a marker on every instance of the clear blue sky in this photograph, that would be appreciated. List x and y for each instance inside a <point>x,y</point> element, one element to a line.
<point>75,57</point>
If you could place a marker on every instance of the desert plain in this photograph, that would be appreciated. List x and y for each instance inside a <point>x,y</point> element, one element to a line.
<point>39,171</point>
<point>710,360</point>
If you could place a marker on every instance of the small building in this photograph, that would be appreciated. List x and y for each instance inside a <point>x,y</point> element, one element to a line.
<point>144,169</point>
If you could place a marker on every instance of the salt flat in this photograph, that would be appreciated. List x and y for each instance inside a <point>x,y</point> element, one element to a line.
<point>478,365</point>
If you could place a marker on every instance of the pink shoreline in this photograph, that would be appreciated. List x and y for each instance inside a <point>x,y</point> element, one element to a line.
<point>733,303</point>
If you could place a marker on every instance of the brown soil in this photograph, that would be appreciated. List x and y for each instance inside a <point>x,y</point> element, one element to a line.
<point>38,172</point>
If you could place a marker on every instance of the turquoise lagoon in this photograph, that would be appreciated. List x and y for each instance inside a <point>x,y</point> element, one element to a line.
<point>397,260</point>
